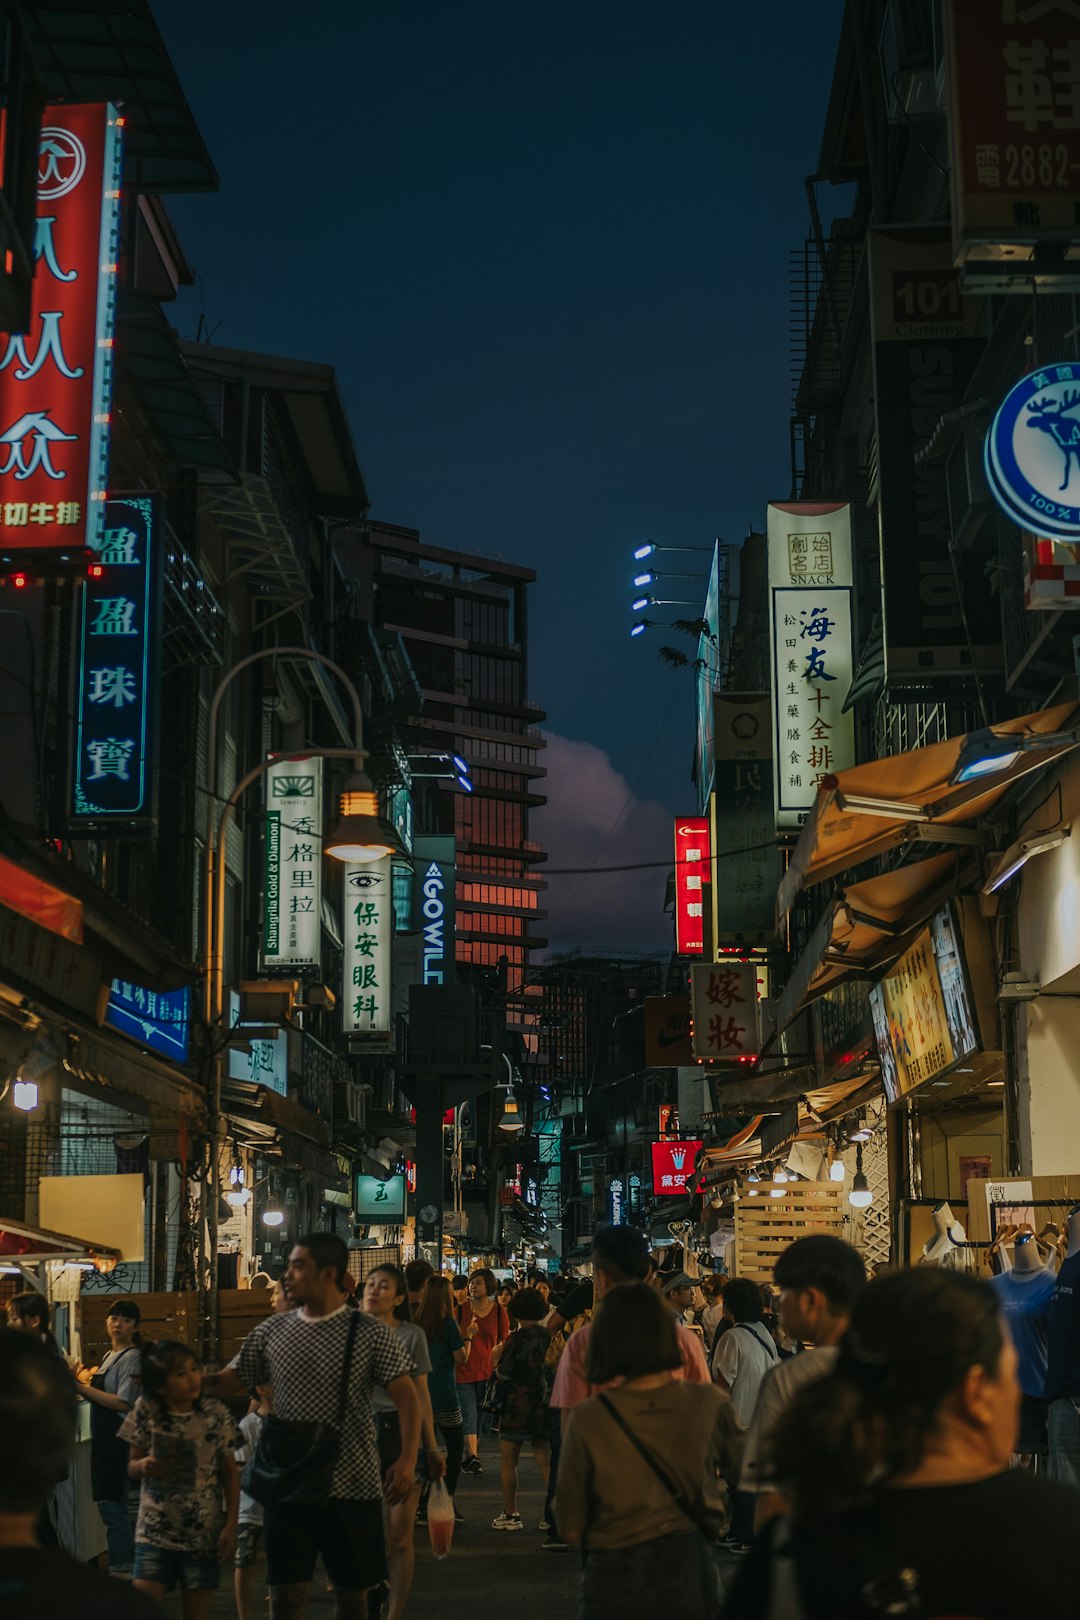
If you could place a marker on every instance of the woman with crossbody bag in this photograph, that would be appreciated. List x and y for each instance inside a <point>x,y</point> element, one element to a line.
<point>641,1469</point>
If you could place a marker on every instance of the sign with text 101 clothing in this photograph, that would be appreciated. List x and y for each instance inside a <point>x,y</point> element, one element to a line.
<point>56,379</point>
<point>367,921</point>
<point>723,1005</point>
<point>292,903</point>
<point>116,674</point>
<point>691,874</point>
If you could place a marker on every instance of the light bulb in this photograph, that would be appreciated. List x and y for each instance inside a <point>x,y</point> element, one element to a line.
<point>780,1174</point>
<point>836,1170</point>
<point>273,1217</point>
<point>776,1192</point>
<point>860,1197</point>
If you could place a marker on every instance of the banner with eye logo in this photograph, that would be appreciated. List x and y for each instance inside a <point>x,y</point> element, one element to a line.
<point>367,924</point>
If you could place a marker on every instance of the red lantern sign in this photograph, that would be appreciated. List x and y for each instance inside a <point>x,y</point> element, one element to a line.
<point>691,875</point>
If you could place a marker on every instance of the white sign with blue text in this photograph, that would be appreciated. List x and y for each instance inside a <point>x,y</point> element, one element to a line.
<point>1032,452</point>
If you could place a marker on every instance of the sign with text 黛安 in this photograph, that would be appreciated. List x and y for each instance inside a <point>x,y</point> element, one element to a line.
<point>367,925</point>
<point>292,899</point>
<point>116,674</point>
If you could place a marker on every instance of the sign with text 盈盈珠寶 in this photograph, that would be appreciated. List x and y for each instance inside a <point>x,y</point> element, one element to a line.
<point>56,379</point>
<point>367,924</point>
<point>1032,452</point>
<point>116,673</point>
<point>292,901</point>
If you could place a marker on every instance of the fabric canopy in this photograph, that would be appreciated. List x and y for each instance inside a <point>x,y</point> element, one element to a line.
<point>29,1244</point>
<point>862,812</point>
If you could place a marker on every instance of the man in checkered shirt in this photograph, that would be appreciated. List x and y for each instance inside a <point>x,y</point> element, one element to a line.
<point>301,1354</point>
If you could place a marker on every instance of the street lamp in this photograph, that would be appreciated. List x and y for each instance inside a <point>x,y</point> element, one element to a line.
<point>650,546</point>
<point>361,833</point>
<point>985,753</point>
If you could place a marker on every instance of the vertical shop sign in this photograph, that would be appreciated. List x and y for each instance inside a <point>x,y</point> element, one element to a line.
<point>117,671</point>
<point>367,923</point>
<point>691,875</point>
<point>433,906</point>
<point>1014,119</point>
<point>292,903</point>
<point>745,865</point>
<point>723,1005</point>
<point>56,379</point>
<point>673,1166</point>
<point>925,346</point>
<point>616,1201</point>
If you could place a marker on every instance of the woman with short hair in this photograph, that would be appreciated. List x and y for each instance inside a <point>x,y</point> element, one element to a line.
<point>484,1326</point>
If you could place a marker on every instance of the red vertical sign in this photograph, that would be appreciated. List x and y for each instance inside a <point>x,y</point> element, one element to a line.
<point>55,380</point>
<point>691,875</point>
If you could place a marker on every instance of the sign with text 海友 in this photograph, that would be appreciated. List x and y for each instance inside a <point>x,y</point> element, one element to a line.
<point>723,1008</point>
<point>116,673</point>
<point>56,379</point>
<point>367,924</point>
<point>811,641</point>
<point>672,1166</point>
<point>1032,452</point>
<point>691,876</point>
<point>292,902</point>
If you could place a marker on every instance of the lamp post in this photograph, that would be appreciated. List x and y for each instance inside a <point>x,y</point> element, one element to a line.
<point>359,835</point>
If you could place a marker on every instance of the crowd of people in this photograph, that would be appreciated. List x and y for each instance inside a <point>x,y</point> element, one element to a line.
<point>818,1448</point>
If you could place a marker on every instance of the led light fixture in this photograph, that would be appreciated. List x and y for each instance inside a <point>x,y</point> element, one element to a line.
<point>1018,854</point>
<point>860,1196</point>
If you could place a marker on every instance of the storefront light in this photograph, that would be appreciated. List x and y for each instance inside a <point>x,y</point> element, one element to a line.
<point>24,1094</point>
<point>238,1196</point>
<point>860,1196</point>
<point>836,1170</point>
<point>776,1192</point>
<point>273,1217</point>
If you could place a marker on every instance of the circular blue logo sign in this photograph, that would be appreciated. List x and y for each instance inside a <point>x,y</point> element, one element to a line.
<point>1032,452</point>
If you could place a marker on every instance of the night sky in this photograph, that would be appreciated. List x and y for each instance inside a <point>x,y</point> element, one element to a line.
<point>546,249</point>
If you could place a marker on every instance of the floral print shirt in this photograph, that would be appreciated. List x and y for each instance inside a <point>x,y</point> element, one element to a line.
<point>184,1507</point>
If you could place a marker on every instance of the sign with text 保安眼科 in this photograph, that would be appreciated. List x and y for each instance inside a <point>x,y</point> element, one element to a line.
<point>367,925</point>
<point>292,900</point>
<point>116,673</point>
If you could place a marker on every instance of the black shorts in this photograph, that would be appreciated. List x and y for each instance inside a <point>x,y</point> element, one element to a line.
<point>347,1532</point>
<point>1032,1441</point>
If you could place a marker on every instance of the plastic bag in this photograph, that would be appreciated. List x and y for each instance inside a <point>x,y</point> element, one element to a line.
<point>440,1519</point>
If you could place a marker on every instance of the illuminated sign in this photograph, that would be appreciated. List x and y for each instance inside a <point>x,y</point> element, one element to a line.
<point>116,671</point>
<point>672,1166</point>
<point>292,901</point>
<point>691,876</point>
<point>266,1060</point>
<point>159,1021</point>
<point>924,1021</point>
<point>377,1200</point>
<point>367,925</point>
<point>723,1002</point>
<point>616,1201</point>
<point>56,379</point>
<point>1032,452</point>
<point>433,906</point>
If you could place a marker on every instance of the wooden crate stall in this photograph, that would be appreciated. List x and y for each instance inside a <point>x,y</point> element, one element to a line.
<point>764,1226</point>
<point>174,1316</point>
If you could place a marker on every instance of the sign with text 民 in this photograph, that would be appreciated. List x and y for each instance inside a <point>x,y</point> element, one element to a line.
<point>433,906</point>
<point>924,1019</point>
<point>672,1166</point>
<point>925,344</point>
<point>723,1005</point>
<point>56,379</point>
<point>691,876</point>
<point>159,1020</point>
<point>1014,120</point>
<point>1031,454</point>
<point>378,1200</point>
<point>367,919</point>
<point>116,673</point>
<point>292,904</point>
<point>745,863</point>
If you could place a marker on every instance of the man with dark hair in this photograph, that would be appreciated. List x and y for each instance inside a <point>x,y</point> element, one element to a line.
<point>819,1279</point>
<point>37,1437</point>
<point>302,1354</point>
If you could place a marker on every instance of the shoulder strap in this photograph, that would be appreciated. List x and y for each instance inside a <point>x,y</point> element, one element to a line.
<point>697,1519</point>
<point>346,1367</point>
<point>765,1343</point>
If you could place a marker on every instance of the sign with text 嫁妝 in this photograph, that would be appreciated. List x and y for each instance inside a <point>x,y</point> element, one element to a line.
<point>723,999</point>
<point>292,902</point>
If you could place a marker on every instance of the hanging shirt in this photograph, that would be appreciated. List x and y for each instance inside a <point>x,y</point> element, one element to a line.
<point>1024,1300</point>
<point>1063,1333</point>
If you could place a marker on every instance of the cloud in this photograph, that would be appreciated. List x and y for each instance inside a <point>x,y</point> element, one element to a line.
<point>586,798</point>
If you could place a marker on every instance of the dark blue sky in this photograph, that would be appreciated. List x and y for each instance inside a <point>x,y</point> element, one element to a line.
<point>546,248</point>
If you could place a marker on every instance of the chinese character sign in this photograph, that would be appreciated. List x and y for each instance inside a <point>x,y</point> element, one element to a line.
<point>812,736</point>
<point>673,1165</point>
<point>292,904</point>
<point>691,877</point>
<point>116,672</point>
<point>367,924</point>
<point>158,1020</point>
<point>723,1000</point>
<point>56,379</point>
<point>1031,454</point>
<point>745,862</point>
<point>1014,118</point>
<point>378,1200</point>
<point>809,543</point>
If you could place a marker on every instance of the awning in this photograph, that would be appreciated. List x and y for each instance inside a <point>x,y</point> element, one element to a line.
<point>865,928</point>
<point>908,798</point>
<point>28,1245</point>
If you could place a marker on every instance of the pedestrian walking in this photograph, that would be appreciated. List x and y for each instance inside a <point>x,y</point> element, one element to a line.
<point>741,1360</point>
<point>250,1521</point>
<point>112,1392</point>
<point>713,1309</point>
<point>819,1279</point>
<point>448,1351</point>
<point>641,1468</point>
<point>310,1356</point>
<point>183,1453</point>
<point>417,1273</point>
<point>525,1388</point>
<point>459,1285</point>
<point>678,1292</point>
<point>484,1326</point>
<point>897,1460</point>
<point>386,1299</point>
<point>38,1411</point>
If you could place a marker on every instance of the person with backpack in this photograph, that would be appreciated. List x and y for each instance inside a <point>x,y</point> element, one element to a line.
<point>741,1359</point>
<point>525,1383</point>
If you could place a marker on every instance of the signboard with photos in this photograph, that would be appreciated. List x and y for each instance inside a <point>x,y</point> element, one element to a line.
<point>292,900</point>
<point>924,1011</point>
<point>723,1000</point>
